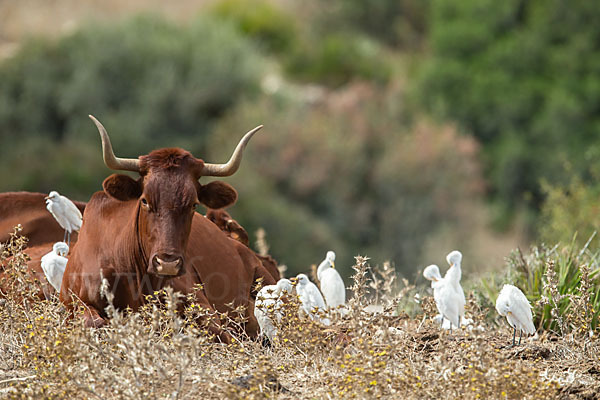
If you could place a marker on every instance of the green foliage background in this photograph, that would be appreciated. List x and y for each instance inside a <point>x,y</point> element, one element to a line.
<point>401,130</point>
<point>524,78</point>
<point>154,83</point>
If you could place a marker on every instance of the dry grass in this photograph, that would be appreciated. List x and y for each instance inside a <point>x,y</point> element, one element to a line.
<point>157,353</point>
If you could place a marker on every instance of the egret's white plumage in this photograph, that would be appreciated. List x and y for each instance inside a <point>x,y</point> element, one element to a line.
<point>332,285</point>
<point>453,275</point>
<point>446,298</point>
<point>65,212</point>
<point>512,304</point>
<point>432,273</point>
<point>54,264</point>
<point>268,303</point>
<point>311,298</point>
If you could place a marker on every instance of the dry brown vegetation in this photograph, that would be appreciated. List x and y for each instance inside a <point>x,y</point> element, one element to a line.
<point>396,353</point>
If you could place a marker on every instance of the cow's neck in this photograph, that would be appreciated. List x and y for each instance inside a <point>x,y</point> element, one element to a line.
<point>137,258</point>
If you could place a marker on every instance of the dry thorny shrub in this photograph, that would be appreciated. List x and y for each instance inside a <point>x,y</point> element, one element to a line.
<point>158,352</point>
<point>573,312</point>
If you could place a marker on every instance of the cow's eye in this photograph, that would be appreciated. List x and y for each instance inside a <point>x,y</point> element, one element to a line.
<point>145,203</point>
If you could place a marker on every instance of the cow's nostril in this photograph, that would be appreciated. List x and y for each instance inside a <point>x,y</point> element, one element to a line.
<point>160,261</point>
<point>166,264</point>
<point>168,257</point>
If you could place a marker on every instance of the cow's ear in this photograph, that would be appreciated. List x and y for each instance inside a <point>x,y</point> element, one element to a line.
<point>122,187</point>
<point>217,194</point>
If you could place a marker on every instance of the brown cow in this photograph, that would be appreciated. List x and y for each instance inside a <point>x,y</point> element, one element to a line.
<point>29,210</point>
<point>220,217</point>
<point>234,230</point>
<point>270,265</point>
<point>231,227</point>
<point>215,264</point>
<point>135,233</point>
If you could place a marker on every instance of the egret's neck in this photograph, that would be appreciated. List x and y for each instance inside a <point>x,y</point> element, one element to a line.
<point>454,273</point>
<point>322,267</point>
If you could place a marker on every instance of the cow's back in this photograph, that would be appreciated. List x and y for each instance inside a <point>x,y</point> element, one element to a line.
<point>29,210</point>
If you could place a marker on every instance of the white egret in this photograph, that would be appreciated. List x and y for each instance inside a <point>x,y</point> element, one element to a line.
<point>432,273</point>
<point>446,325</point>
<point>54,264</point>
<point>65,212</point>
<point>512,304</point>
<point>332,285</point>
<point>453,275</point>
<point>447,299</point>
<point>268,303</point>
<point>311,298</point>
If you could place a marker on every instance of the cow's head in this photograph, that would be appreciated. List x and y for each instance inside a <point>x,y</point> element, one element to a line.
<point>167,194</point>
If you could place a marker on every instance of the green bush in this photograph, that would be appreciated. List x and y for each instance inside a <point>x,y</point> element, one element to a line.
<point>523,77</point>
<point>151,83</point>
<point>568,212</point>
<point>396,23</point>
<point>313,53</point>
<point>262,20</point>
<point>338,58</point>
<point>401,23</point>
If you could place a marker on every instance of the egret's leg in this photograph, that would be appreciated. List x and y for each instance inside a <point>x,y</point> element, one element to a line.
<point>65,237</point>
<point>520,334</point>
<point>69,239</point>
<point>266,342</point>
<point>458,321</point>
<point>514,335</point>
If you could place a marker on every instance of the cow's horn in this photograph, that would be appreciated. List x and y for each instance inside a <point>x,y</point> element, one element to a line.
<point>112,162</point>
<point>234,162</point>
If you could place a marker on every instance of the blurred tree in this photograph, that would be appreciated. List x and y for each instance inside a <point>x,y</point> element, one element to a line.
<point>343,169</point>
<point>570,212</point>
<point>397,23</point>
<point>349,173</point>
<point>332,57</point>
<point>151,83</point>
<point>524,78</point>
<point>336,59</point>
<point>401,23</point>
<point>271,25</point>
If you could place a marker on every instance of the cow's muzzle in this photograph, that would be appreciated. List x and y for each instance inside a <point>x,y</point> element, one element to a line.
<point>166,265</point>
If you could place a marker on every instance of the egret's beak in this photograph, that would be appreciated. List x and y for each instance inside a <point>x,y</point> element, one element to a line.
<point>47,198</point>
<point>332,264</point>
<point>294,280</point>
